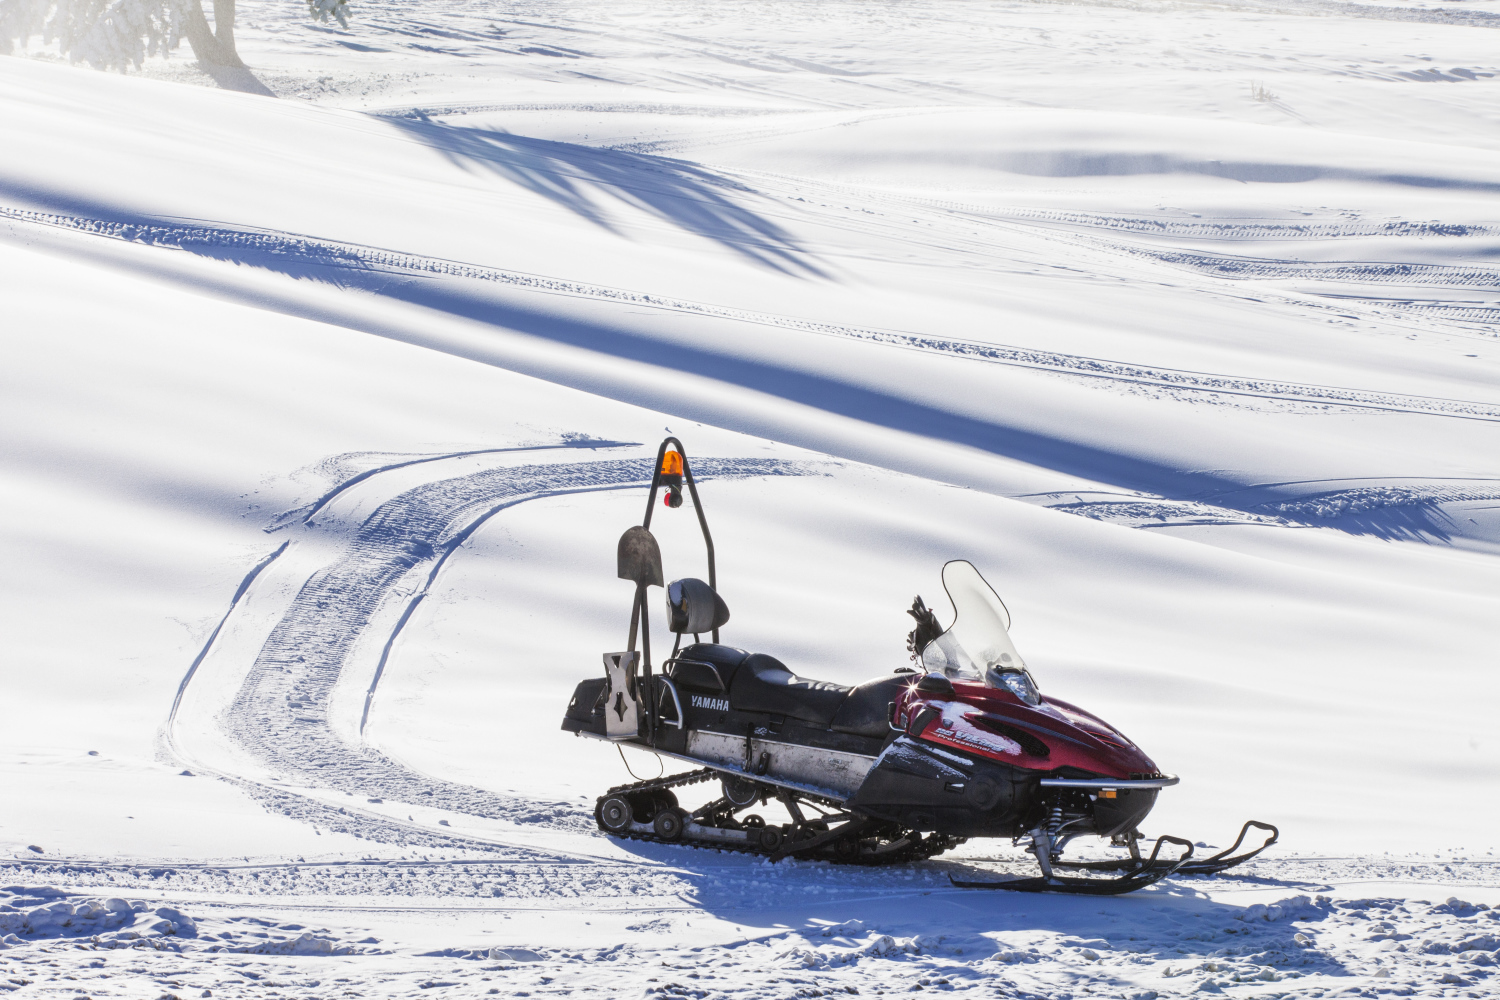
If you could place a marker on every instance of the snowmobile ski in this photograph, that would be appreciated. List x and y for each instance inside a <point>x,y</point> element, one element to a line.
<point>1211,865</point>
<point>1153,870</point>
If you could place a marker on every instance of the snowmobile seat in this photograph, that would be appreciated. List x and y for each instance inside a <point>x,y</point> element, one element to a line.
<point>867,709</point>
<point>764,684</point>
<point>706,666</point>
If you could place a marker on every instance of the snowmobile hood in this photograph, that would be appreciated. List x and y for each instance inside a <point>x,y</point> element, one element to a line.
<point>995,723</point>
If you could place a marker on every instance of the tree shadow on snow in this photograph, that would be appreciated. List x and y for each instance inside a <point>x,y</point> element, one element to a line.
<point>1418,521</point>
<point>585,180</point>
<point>364,268</point>
<point>1391,510</point>
<point>238,78</point>
<point>1412,515</point>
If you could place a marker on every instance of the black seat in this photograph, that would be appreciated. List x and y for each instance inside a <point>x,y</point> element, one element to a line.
<point>763,684</point>
<point>707,667</point>
<point>866,712</point>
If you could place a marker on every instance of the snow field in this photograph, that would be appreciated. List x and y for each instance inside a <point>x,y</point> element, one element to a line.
<point>1297,945</point>
<point>320,418</point>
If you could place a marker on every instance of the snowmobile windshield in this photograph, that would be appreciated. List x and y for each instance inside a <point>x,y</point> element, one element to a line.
<point>977,645</point>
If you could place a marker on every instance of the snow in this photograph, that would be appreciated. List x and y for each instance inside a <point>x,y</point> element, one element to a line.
<point>321,416</point>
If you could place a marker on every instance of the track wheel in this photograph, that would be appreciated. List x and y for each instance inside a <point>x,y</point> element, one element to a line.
<point>648,806</point>
<point>752,822</point>
<point>768,837</point>
<point>668,824</point>
<point>740,791</point>
<point>614,814</point>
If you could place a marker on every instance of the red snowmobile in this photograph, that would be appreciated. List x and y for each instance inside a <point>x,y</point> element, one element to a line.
<point>899,768</point>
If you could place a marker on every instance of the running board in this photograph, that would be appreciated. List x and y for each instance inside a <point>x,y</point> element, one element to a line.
<point>823,793</point>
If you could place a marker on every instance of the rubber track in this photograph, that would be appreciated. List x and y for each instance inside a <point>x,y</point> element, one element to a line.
<point>920,851</point>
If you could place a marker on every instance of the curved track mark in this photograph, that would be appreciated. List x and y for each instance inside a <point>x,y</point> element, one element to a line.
<point>310,510</point>
<point>450,548</point>
<point>214,635</point>
<point>280,716</point>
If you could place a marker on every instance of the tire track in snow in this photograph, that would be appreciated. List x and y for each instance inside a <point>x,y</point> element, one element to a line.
<point>1466,311</point>
<point>1383,272</point>
<point>1227,230</point>
<point>292,253</point>
<point>280,717</point>
<point>307,512</point>
<point>1391,509</point>
<point>234,602</point>
<point>1374,12</point>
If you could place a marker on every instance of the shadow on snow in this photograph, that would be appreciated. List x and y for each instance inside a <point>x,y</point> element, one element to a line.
<point>586,179</point>
<point>541,164</point>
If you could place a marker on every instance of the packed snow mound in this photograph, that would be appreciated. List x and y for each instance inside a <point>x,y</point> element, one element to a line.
<point>38,914</point>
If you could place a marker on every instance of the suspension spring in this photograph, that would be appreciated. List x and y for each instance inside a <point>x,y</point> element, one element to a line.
<point>1054,824</point>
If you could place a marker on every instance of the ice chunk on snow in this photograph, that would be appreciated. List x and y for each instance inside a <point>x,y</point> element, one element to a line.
<point>1483,942</point>
<point>1291,908</point>
<point>182,924</point>
<point>886,945</point>
<point>849,928</point>
<point>1458,907</point>
<point>514,955</point>
<point>308,944</point>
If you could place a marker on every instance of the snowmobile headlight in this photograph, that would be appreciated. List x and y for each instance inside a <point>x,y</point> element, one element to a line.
<point>1017,683</point>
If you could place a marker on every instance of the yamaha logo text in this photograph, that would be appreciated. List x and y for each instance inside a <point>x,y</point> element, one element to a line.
<point>713,704</point>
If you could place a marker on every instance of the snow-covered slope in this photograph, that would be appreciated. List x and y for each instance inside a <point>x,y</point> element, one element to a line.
<point>321,416</point>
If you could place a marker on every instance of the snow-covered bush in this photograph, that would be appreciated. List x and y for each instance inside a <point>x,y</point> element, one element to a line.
<point>106,34</point>
<point>116,34</point>
<point>321,10</point>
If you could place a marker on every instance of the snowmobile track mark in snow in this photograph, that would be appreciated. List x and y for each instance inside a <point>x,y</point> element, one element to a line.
<point>311,643</point>
<point>1223,230</point>
<point>306,512</point>
<point>277,250</point>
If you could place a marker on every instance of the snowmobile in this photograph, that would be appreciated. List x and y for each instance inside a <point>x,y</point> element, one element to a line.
<point>896,769</point>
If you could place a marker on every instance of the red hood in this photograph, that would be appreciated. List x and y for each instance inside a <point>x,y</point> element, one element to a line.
<point>994,723</point>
